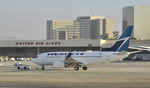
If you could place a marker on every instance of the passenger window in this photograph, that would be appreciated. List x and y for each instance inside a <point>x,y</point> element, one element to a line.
<point>81,53</point>
<point>61,53</point>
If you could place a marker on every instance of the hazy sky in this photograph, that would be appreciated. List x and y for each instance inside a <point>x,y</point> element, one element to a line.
<point>26,19</point>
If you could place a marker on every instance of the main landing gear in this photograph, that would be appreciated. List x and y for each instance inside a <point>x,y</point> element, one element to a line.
<point>76,68</point>
<point>84,67</point>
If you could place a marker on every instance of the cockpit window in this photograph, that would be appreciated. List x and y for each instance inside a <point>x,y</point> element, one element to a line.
<point>36,56</point>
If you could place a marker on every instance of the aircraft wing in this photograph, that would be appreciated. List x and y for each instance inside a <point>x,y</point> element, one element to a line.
<point>134,48</point>
<point>140,48</point>
<point>133,52</point>
<point>69,61</point>
<point>145,47</point>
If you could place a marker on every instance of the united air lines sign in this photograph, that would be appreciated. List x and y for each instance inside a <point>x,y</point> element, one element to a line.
<point>37,43</point>
<point>48,43</point>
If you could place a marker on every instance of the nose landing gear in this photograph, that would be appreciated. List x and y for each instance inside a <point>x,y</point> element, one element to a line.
<point>43,67</point>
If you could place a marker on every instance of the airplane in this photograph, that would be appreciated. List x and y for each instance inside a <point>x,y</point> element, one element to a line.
<point>79,59</point>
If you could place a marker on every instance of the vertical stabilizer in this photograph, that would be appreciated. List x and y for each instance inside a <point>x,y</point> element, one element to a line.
<point>122,43</point>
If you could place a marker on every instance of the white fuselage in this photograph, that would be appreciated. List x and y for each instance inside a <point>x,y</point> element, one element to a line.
<point>89,57</point>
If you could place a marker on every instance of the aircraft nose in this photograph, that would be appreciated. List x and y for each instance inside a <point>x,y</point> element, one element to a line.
<point>33,60</point>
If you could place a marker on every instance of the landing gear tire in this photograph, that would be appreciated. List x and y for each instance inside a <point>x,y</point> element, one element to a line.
<point>65,65</point>
<point>84,67</point>
<point>18,68</point>
<point>43,68</point>
<point>24,68</point>
<point>76,68</point>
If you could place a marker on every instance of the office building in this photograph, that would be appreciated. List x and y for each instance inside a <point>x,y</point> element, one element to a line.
<point>63,30</point>
<point>108,27</point>
<point>93,27</point>
<point>139,17</point>
<point>85,27</point>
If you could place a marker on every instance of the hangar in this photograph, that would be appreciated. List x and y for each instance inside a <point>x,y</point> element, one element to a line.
<point>30,48</point>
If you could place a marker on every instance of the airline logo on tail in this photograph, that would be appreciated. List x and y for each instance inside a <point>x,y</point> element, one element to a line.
<point>122,43</point>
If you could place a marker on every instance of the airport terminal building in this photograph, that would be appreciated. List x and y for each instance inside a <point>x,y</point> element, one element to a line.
<point>30,48</point>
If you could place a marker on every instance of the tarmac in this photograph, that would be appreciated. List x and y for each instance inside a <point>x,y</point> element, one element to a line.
<point>124,74</point>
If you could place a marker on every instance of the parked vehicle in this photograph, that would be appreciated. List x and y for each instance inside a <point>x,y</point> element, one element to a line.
<point>21,66</point>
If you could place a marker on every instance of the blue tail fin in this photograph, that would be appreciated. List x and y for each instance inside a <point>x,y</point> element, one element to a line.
<point>122,43</point>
